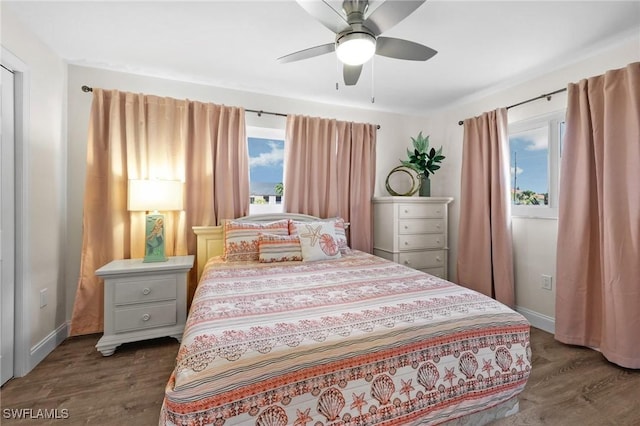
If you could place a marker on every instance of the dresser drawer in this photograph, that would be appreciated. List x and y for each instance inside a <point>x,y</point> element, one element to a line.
<point>420,241</point>
<point>145,316</point>
<point>437,272</point>
<point>423,259</point>
<point>420,210</point>
<point>420,226</point>
<point>146,289</point>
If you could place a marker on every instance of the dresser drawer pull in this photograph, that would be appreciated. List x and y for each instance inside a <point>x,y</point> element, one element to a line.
<point>406,210</point>
<point>406,243</point>
<point>146,317</point>
<point>438,259</point>
<point>406,262</point>
<point>438,226</point>
<point>406,227</point>
<point>146,291</point>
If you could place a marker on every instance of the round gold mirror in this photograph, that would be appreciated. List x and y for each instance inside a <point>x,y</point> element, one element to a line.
<point>402,181</point>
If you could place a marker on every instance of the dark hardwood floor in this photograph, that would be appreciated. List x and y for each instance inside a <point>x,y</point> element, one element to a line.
<point>568,386</point>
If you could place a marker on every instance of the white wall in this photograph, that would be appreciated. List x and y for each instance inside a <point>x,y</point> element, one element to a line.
<point>393,136</point>
<point>534,239</point>
<point>44,174</point>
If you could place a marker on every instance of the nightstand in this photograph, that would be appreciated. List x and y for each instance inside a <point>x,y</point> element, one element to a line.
<point>143,300</point>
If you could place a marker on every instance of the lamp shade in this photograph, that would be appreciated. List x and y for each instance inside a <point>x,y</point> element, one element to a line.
<point>355,48</point>
<point>152,195</point>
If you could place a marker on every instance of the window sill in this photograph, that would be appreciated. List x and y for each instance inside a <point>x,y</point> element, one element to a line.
<point>532,212</point>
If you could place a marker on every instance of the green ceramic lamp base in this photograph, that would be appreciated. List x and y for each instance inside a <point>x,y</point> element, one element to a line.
<point>154,238</point>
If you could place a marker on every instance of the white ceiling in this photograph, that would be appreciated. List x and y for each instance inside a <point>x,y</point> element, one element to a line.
<point>482,45</point>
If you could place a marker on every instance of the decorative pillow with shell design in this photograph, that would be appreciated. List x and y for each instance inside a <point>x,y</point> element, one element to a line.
<point>340,232</point>
<point>317,240</point>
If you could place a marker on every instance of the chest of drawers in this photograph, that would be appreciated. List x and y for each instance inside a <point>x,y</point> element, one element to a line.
<point>143,300</point>
<point>412,231</point>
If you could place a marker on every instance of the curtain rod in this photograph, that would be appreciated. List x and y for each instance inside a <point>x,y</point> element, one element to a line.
<point>259,112</point>
<point>546,95</point>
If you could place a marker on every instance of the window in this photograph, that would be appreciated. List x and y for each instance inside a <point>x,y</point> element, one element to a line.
<point>534,148</point>
<point>266,169</point>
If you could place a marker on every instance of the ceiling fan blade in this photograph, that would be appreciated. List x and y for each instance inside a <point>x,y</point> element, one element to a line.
<point>351,74</point>
<point>308,53</point>
<point>327,15</point>
<point>389,13</point>
<point>403,49</point>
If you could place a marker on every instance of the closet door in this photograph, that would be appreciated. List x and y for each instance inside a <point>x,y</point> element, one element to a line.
<point>7,224</point>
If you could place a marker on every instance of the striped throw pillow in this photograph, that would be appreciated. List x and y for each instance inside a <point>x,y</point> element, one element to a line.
<point>241,238</point>
<point>278,248</point>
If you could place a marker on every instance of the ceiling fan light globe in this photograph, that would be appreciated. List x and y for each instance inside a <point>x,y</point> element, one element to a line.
<point>355,48</point>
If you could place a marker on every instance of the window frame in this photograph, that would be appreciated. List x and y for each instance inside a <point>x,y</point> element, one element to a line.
<point>265,133</point>
<point>552,121</point>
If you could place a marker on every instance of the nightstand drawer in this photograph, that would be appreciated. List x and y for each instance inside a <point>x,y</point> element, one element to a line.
<point>420,241</point>
<point>421,226</point>
<point>423,259</point>
<point>420,210</point>
<point>146,289</point>
<point>146,316</point>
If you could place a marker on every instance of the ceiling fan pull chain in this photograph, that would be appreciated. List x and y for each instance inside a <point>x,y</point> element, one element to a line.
<point>373,97</point>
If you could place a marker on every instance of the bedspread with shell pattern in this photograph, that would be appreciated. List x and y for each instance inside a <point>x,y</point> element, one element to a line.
<point>357,340</point>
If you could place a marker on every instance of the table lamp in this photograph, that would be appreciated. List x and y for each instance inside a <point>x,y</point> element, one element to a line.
<point>154,196</point>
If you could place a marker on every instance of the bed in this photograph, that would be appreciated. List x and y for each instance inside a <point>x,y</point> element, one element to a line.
<point>353,340</point>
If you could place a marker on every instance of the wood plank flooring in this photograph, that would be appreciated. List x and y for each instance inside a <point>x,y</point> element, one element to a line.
<point>568,386</point>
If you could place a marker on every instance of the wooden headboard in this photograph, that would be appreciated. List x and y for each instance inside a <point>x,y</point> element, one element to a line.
<point>210,239</point>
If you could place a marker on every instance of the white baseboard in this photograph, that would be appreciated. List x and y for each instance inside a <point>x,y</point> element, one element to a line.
<point>48,344</point>
<point>537,320</point>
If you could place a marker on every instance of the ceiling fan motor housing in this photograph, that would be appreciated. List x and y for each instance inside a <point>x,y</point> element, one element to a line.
<point>355,10</point>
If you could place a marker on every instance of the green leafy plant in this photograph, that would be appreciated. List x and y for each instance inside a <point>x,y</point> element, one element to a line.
<point>423,159</point>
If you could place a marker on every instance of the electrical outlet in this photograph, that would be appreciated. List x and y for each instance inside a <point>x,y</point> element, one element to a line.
<point>43,297</point>
<point>546,282</point>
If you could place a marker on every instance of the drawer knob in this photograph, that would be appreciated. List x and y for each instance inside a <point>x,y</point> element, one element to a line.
<point>406,227</point>
<point>146,317</point>
<point>406,243</point>
<point>438,259</point>
<point>406,211</point>
<point>438,241</point>
<point>438,226</point>
<point>146,291</point>
<point>406,262</point>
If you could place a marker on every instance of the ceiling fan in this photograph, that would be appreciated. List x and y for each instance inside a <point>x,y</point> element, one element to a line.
<point>358,36</point>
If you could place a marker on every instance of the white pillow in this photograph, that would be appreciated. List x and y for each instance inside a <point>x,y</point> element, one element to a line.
<point>318,241</point>
<point>341,235</point>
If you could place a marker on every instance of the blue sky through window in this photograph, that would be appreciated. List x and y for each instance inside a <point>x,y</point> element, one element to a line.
<point>266,161</point>
<point>531,151</point>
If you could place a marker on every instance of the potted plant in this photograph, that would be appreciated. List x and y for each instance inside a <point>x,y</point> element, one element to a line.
<point>424,161</point>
